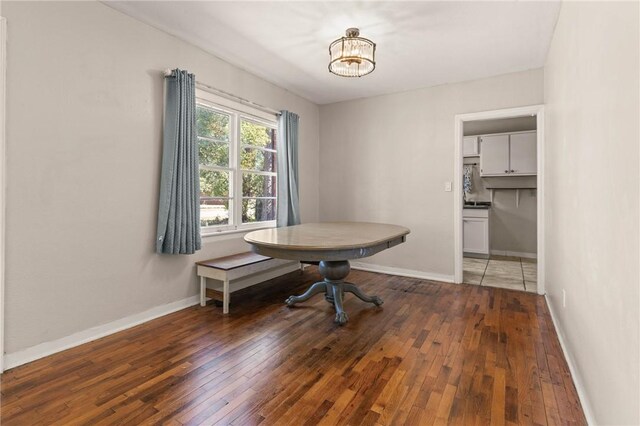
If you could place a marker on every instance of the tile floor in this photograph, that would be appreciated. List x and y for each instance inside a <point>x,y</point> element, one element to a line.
<point>515,273</point>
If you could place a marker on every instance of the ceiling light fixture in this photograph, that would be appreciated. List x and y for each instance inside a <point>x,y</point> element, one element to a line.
<point>352,56</point>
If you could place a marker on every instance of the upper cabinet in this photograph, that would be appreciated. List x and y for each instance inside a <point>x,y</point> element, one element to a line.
<point>495,155</point>
<point>470,147</point>
<point>508,154</point>
<point>523,153</point>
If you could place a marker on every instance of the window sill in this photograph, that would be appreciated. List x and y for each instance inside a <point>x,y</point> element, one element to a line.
<point>230,234</point>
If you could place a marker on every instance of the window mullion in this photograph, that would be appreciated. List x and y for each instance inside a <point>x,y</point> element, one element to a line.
<point>215,168</point>
<point>259,172</point>
<point>266,123</point>
<point>238,173</point>
<point>260,148</point>
<point>204,138</point>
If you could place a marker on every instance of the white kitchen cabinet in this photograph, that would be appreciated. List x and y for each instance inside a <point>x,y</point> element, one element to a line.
<point>475,231</point>
<point>523,157</point>
<point>508,154</point>
<point>494,159</point>
<point>470,146</point>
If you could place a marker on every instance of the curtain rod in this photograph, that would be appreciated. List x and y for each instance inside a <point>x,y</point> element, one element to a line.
<point>229,96</point>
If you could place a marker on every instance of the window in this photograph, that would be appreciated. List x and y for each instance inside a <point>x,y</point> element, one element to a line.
<point>237,148</point>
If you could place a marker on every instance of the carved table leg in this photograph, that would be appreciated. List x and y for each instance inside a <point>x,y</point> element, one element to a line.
<point>341,315</point>
<point>334,273</point>
<point>328,296</point>
<point>313,290</point>
<point>351,288</point>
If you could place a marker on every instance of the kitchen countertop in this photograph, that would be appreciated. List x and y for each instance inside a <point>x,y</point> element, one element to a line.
<point>482,205</point>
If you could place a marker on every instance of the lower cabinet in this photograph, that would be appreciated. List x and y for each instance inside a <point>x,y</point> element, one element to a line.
<point>475,231</point>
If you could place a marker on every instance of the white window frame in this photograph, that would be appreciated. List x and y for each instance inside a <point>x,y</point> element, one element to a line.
<point>237,113</point>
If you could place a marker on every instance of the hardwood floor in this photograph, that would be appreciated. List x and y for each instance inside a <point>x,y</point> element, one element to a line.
<point>433,354</point>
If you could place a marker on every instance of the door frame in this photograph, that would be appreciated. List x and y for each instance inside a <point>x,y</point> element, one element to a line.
<point>3,172</point>
<point>459,120</point>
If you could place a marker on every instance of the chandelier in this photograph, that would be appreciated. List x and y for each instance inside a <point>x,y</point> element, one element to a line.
<point>352,56</point>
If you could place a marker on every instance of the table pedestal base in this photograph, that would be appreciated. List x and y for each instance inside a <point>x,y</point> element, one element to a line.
<point>334,287</point>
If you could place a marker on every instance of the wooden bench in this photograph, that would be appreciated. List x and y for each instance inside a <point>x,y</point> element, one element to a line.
<point>234,267</point>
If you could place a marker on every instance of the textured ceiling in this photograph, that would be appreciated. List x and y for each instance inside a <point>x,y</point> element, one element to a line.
<point>420,44</point>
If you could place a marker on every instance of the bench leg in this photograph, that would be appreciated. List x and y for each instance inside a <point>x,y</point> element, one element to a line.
<point>203,291</point>
<point>225,297</point>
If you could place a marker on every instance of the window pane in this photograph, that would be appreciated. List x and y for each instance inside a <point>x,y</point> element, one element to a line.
<point>214,211</point>
<point>257,159</point>
<point>257,135</point>
<point>212,124</point>
<point>214,184</point>
<point>213,153</point>
<point>254,185</point>
<point>258,210</point>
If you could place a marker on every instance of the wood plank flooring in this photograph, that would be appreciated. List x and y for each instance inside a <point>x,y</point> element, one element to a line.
<point>433,354</point>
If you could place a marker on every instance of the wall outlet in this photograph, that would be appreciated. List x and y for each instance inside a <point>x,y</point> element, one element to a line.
<point>447,186</point>
<point>564,298</point>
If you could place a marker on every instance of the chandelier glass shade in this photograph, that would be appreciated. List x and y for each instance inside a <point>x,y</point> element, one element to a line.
<point>352,56</point>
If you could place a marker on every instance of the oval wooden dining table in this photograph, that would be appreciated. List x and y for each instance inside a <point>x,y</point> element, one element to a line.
<point>331,245</point>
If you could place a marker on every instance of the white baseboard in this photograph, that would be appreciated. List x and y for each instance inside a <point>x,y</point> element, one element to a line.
<point>577,379</point>
<point>515,254</point>
<point>401,272</point>
<point>41,350</point>
<point>48,348</point>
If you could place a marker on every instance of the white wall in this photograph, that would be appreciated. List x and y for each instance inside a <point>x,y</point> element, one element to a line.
<point>85,93</point>
<point>591,93</point>
<point>386,159</point>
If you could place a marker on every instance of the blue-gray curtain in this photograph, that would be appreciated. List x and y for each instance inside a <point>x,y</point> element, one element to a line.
<point>179,207</point>
<point>288,212</point>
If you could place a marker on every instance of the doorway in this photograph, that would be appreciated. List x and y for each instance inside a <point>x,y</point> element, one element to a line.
<point>510,173</point>
<point>3,109</point>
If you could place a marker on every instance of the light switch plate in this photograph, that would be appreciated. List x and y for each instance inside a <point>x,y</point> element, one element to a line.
<point>447,186</point>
